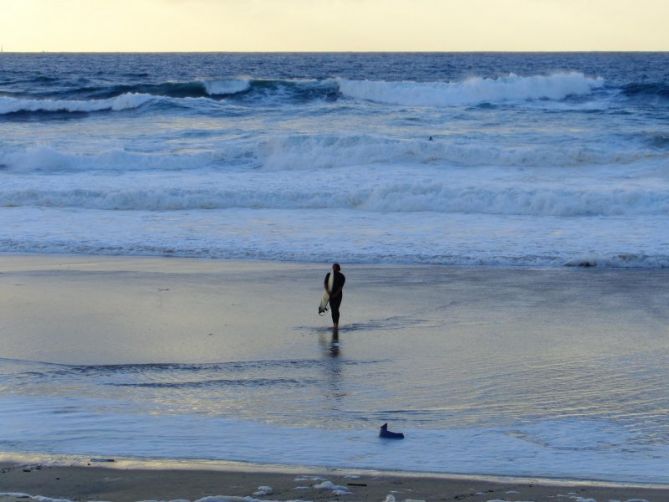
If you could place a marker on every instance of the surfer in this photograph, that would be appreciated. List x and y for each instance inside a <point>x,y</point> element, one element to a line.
<point>334,284</point>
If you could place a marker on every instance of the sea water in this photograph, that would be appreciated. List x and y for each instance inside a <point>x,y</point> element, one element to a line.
<point>493,159</point>
<point>512,160</point>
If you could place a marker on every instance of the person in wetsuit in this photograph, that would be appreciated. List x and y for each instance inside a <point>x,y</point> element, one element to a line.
<point>335,291</point>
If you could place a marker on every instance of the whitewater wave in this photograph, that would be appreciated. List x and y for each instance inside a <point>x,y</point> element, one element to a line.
<point>511,88</point>
<point>227,87</point>
<point>182,94</point>
<point>442,197</point>
<point>48,159</point>
<point>327,151</point>
<point>10,105</point>
<point>508,89</point>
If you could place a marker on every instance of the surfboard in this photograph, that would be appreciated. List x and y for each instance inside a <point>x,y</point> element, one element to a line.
<point>322,308</point>
<point>326,295</point>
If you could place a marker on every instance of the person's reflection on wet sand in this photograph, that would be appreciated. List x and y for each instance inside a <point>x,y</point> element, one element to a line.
<point>334,343</point>
<point>331,346</point>
<point>332,365</point>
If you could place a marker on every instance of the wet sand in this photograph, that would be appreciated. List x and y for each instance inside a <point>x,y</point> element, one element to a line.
<point>120,485</point>
<point>91,310</point>
<point>49,306</point>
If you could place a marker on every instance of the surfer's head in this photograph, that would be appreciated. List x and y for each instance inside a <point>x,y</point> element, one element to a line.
<point>336,267</point>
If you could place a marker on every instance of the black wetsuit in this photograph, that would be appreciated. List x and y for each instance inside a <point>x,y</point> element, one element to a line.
<point>335,301</point>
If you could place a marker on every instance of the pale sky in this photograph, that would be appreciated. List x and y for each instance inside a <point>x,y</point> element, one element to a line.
<point>333,25</point>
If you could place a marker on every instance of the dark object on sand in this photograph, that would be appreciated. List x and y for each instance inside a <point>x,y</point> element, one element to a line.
<point>100,460</point>
<point>385,433</point>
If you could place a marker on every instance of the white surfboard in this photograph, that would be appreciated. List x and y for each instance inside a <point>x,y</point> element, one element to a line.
<point>326,295</point>
<point>324,303</point>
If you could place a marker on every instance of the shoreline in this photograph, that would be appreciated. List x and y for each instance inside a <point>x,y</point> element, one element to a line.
<point>121,482</point>
<point>23,460</point>
<point>585,263</point>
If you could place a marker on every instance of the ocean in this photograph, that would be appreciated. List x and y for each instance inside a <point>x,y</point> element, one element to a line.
<point>458,159</point>
<point>513,169</point>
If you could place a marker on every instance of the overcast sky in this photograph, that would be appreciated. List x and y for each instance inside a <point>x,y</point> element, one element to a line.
<point>333,25</point>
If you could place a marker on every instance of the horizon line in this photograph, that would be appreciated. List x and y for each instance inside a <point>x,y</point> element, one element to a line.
<point>584,51</point>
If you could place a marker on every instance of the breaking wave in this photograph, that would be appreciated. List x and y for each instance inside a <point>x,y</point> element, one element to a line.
<point>547,200</point>
<point>472,159</point>
<point>326,151</point>
<point>475,90</point>
<point>227,87</point>
<point>194,89</point>
<point>509,89</point>
<point>10,105</point>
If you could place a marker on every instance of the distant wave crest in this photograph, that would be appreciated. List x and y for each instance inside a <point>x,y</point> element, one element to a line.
<point>472,91</point>
<point>118,98</point>
<point>10,105</point>
<point>508,89</point>
<point>191,89</point>
<point>227,87</point>
<point>188,89</point>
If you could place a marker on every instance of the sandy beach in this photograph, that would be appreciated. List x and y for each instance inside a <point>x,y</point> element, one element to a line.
<point>96,483</point>
<point>431,349</point>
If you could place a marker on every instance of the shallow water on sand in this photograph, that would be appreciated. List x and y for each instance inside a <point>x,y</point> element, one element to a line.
<point>536,372</point>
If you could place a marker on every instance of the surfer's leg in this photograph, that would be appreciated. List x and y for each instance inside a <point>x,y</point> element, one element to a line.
<point>334,306</point>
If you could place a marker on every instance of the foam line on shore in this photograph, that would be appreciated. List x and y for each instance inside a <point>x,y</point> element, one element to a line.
<point>154,464</point>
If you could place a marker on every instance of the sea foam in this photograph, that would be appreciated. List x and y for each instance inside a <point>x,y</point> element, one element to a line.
<point>402,197</point>
<point>227,87</point>
<point>534,155</point>
<point>473,90</point>
<point>510,88</point>
<point>312,152</point>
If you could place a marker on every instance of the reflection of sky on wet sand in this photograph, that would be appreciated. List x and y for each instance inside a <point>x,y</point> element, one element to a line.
<point>421,347</point>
